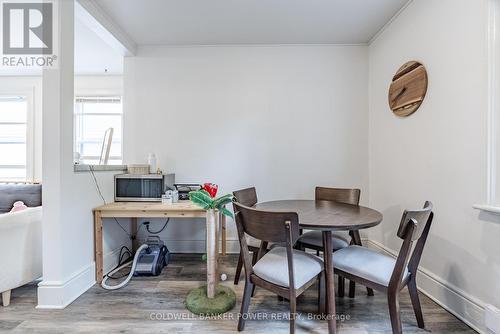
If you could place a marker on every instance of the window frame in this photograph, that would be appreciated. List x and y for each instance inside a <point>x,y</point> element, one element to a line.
<point>75,114</point>
<point>492,195</point>
<point>29,94</point>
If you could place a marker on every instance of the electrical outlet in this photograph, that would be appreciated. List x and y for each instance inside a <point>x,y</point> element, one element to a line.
<point>492,319</point>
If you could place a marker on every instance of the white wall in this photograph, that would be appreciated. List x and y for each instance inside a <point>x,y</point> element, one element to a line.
<point>439,153</point>
<point>68,247</point>
<point>281,118</point>
<point>92,85</point>
<point>67,278</point>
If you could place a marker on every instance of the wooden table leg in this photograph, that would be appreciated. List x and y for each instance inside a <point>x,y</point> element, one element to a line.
<point>98,246</point>
<point>6,298</point>
<point>330,285</point>
<point>212,236</point>
<point>133,233</point>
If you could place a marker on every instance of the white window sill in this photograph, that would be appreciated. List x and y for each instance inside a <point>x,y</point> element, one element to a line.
<point>488,208</point>
<point>100,168</point>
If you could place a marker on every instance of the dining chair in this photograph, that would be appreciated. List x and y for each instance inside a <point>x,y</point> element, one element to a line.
<point>386,274</point>
<point>286,271</point>
<point>314,239</point>
<point>247,197</point>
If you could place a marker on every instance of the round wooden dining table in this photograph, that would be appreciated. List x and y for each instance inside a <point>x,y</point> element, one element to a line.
<point>327,216</point>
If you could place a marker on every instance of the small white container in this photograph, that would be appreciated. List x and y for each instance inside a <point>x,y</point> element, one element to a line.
<point>166,199</point>
<point>152,163</point>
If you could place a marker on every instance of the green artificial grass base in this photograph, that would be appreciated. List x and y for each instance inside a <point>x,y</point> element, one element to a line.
<point>198,302</point>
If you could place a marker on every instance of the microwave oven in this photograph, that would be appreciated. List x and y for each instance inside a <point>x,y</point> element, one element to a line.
<point>142,188</point>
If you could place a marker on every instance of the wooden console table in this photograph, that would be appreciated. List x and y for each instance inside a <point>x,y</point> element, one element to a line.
<point>182,209</point>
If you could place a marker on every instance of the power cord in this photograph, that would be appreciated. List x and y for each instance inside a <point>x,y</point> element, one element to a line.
<point>122,261</point>
<point>91,168</point>
<point>158,232</point>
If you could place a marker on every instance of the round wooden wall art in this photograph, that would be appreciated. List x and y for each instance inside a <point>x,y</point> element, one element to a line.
<point>408,88</point>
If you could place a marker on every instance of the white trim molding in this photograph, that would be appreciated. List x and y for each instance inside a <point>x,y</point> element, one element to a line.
<point>493,96</point>
<point>99,168</point>
<point>59,294</point>
<point>492,319</point>
<point>465,307</point>
<point>388,23</point>
<point>488,208</point>
<point>493,126</point>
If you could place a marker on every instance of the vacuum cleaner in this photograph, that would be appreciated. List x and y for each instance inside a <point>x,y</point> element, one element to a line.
<point>149,260</point>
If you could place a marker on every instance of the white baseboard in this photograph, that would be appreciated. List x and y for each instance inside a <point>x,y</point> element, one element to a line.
<point>492,319</point>
<point>468,309</point>
<point>59,294</point>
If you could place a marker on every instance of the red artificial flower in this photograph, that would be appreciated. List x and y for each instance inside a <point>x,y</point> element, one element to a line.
<point>211,188</point>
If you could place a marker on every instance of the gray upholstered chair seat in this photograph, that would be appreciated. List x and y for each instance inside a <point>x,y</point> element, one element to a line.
<point>315,238</point>
<point>366,263</point>
<point>273,267</point>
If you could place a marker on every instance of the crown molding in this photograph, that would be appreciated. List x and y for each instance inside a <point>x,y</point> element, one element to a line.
<point>392,19</point>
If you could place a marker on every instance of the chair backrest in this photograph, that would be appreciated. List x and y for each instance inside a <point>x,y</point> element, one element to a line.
<point>418,218</point>
<point>268,226</point>
<point>347,196</point>
<point>247,197</point>
<point>414,226</point>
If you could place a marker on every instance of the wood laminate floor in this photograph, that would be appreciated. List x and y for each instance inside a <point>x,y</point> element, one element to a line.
<point>155,305</point>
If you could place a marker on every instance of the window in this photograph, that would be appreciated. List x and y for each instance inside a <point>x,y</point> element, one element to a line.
<point>14,138</point>
<point>93,116</point>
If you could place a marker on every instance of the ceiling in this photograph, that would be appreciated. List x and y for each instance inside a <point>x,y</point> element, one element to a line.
<point>202,22</point>
<point>93,56</point>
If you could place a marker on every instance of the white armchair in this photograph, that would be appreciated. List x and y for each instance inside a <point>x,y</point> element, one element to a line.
<point>20,249</point>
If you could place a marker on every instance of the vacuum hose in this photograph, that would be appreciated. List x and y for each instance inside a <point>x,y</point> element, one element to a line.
<point>129,277</point>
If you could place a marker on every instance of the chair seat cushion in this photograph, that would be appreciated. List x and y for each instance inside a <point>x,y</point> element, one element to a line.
<point>315,238</point>
<point>273,267</point>
<point>366,263</point>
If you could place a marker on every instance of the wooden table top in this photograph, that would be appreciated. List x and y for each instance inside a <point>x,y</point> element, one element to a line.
<point>150,206</point>
<point>326,215</point>
<point>181,209</point>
